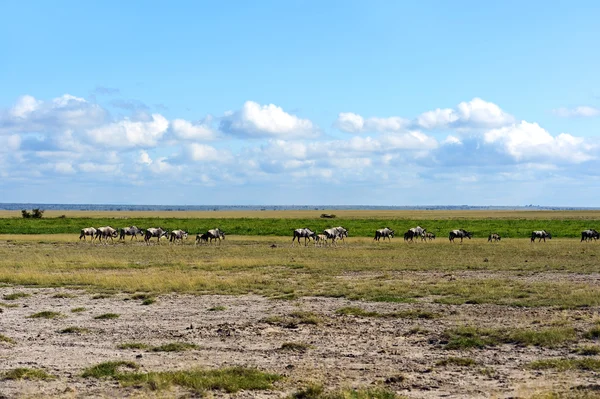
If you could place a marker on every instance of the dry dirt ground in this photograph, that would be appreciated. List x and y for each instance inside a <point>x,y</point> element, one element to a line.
<point>345,351</point>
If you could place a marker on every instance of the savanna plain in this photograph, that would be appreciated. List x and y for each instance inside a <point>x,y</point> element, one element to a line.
<point>255,317</point>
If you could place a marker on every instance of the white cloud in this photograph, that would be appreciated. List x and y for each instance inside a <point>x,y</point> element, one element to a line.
<point>185,130</point>
<point>353,123</point>
<point>581,111</point>
<point>255,120</point>
<point>144,158</point>
<point>130,134</point>
<point>205,153</point>
<point>473,114</point>
<point>30,115</point>
<point>529,141</point>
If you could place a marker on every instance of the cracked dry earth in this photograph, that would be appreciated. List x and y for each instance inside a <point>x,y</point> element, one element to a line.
<point>345,351</point>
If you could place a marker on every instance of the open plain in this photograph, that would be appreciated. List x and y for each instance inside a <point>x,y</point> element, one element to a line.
<point>360,319</point>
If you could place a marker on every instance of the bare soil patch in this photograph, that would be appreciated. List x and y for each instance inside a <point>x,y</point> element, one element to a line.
<point>339,351</point>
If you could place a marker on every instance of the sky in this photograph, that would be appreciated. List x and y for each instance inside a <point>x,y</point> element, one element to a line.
<point>300,102</point>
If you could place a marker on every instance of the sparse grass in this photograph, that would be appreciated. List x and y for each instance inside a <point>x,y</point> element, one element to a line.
<point>295,347</point>
<point>109,369</point>
<point>74,330</point>
<point>294,319</point>
<point>577,392</point>
<point>564,364</point>
<point>175,347</point>
<point>593,333</point>
<point>133,345</point>
<point>5,339</point>
<point>141,296</point>
<point>15,295</point>
<point>318,392</point>
<point>24,373</point>
<point>148,301</point>
<point>588,350</point>
<point>466,337</point>
<point>63,295</point>
<point>217,308</point>
<point>46,314</point>
<point>8,305</point>
<point>101,296</point>
<point>107,316</point>
<point>230,380</point>
<point>456,361</point>
<point>78,310</point>
<point>404,314</point>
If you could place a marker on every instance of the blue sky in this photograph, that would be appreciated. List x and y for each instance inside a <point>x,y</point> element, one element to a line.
<point>300,102</point>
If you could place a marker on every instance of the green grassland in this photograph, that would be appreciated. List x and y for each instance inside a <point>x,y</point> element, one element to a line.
<point>363,225</point>
<point>513,272</point>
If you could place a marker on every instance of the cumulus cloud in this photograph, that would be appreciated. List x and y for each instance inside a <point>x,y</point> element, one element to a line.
<point>205,153</point>
<point>255,120</point>
<point>30,115</point>
<point>474,114</point>
<point>353,123</point>
<point>529,141</point>
<point>583,111</point>
<point>185,130</point>
<point>130,134</point>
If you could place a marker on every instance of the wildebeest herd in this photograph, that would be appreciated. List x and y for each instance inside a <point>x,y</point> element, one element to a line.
<point>329,236</point>
<point>174,236</point>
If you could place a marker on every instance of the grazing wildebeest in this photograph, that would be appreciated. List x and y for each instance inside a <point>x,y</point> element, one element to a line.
<point>384,233</point>
<point>305,233</point>
<point>589,235</point>
<point>215,234</point>
<point>201,237</point>
<point>409,235</point>
<point>493,237</point>
<point>88,231</point>
<point>178,235</point>
<point>341,233</point>
<point>460,233</point>
<point>430,236</point>
<point>132,231</point>
<point>155,232</point>
<point>418,232</point>
<point>106,232</point>
<point>541,235</point>
<point>320,240</point>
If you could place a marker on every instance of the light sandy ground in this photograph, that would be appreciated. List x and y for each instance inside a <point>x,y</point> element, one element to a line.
<point>346,351</point>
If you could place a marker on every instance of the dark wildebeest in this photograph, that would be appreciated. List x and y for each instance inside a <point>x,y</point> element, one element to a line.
<point>177,235</point>
<point>384,233</point>
<point>305,233</point>
<point>540,235</point>
<point>589,235</point>
<point>132,231</point>
<point>418,232</point>
<point>409,235</point>
<point>493,237</point>
<point>201,237</point>
<point>106,232</point>
<point>460,233</point>
<point>155,232</point>
<point>215,234</point>
<point>88,231</point>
